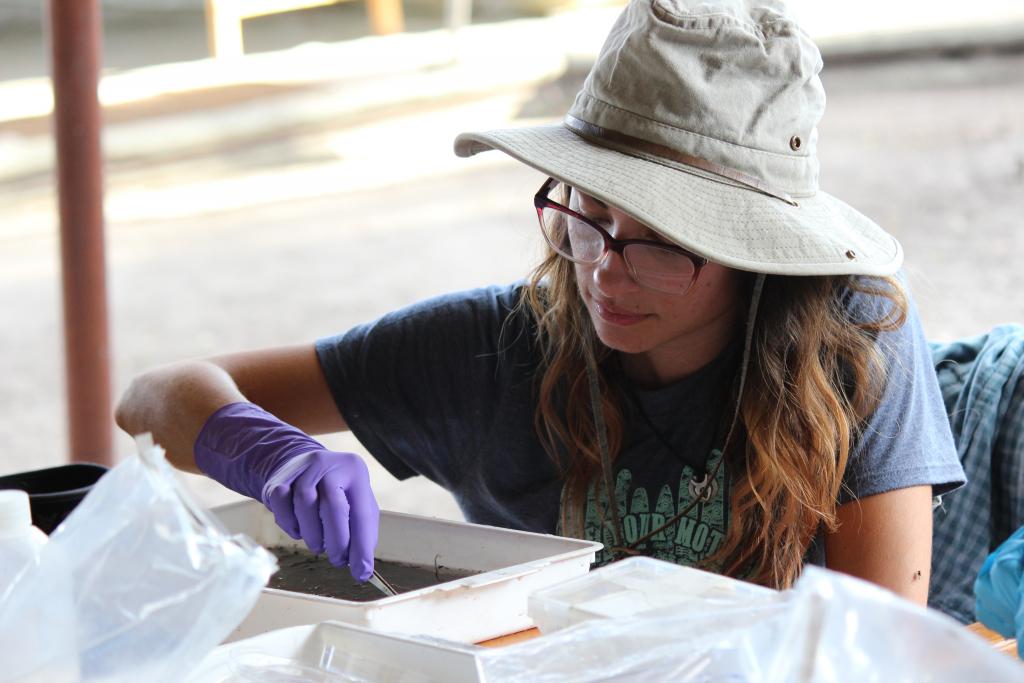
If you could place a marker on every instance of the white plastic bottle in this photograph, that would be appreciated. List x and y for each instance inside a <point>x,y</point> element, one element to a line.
<point>37,641</point>
<point>20,542</point>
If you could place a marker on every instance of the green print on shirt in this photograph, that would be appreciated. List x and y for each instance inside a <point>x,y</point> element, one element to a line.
<point>689,540</point>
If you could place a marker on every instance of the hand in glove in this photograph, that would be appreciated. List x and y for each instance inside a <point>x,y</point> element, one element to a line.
<point>318,495</point>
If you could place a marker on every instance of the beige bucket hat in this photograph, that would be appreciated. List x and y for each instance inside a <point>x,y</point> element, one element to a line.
<point>699,119</point>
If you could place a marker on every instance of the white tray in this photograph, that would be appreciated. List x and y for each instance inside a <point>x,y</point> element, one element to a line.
<point>333,652</point>
<point>475,608</point>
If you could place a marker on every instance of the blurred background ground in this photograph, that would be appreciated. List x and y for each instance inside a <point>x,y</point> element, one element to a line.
<point>311,185</point>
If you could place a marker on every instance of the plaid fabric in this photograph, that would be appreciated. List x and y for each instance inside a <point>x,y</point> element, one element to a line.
<point>982,382</point>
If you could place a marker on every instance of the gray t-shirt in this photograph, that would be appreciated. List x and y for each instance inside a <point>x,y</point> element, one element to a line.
<point>445,389</point>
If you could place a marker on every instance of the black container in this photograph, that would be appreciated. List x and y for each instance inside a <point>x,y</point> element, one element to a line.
<point>55,491</point>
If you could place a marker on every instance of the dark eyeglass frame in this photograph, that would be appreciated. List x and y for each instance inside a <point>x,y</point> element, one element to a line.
<point>541,202</point>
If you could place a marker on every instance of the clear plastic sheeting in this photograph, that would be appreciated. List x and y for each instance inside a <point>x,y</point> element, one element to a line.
<point>153,583</point>
<point>641,585</point>
<point>830,628</point>
<point>726,646</point>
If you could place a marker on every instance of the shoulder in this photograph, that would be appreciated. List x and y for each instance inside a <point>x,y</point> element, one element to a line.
<point>885,309</point>
<point>906,441</point>
<point>480,310</point>
<point>874,299</point>
<point>476,321</point>
<point>495,301</point>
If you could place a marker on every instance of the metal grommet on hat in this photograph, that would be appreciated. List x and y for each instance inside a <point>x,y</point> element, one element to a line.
<point>795,143</point>
<point>851,254</point>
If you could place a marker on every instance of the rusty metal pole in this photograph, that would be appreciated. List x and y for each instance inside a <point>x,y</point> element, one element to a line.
<point>75,38</point>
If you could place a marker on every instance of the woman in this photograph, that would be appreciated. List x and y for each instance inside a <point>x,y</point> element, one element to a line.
<point>713,365</point>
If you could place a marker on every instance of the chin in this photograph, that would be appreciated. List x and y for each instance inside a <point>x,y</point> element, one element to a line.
<point>624,341</point>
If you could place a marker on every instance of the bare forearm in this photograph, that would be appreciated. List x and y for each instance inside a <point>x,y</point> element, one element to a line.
<point>173,402</point>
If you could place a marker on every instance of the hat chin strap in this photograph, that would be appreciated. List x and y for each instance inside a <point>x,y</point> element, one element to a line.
<point>602,442</point>
<point>602,433</point>
<point>622,142</point>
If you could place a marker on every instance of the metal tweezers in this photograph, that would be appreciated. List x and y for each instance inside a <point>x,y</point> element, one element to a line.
<point>381,584</point>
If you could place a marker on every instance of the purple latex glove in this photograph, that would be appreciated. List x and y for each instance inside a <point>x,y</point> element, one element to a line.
<point>318,495</point>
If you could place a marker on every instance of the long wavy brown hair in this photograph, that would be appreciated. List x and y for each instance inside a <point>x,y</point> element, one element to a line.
<point>814,375</point>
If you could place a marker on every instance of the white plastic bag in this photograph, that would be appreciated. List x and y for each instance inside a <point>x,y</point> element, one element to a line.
<point>843,630</point>
<point>155,583</point>
<point>830,628</point>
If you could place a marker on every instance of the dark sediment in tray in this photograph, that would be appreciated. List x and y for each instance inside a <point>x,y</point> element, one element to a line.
<point>300,571</point>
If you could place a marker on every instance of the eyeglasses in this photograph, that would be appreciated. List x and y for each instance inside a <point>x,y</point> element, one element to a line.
<point>659,266</point>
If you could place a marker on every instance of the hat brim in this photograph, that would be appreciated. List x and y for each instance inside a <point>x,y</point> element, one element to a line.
<point>721,221</point>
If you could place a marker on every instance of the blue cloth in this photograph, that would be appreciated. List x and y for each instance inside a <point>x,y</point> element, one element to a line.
<point>982,384</point>
<point>446,389</point>
<point>1000,590</point>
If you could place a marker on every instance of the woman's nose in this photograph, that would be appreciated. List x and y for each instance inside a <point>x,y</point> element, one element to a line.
<point>611,274</point>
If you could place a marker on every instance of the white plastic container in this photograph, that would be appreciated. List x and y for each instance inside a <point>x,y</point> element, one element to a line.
<point>486,605</point>
<point>35,595</point>
<point>20,542</point>
<point>634,586</point>
<point>333,651</point>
